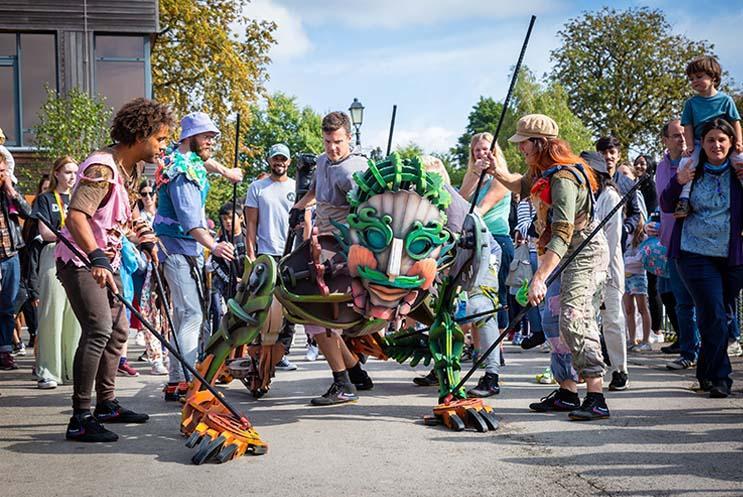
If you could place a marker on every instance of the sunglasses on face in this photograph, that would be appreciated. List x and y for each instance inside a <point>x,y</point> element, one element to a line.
<point>147,194</point>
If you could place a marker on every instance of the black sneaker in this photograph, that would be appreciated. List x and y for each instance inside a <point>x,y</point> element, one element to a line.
<point>111,411</point>
<point>558,400</point>
<point>487,386</point>
<point>593,407</point>
<point>672,349</point>
<point>430,380</point>
<point>85,428</point>
<point>360,379</point>
<point>619,381</point>
<point>719,389</point>
<point>338,393</point>
<point>534,340</point>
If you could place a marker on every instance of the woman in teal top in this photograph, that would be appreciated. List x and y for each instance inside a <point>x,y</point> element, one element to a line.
<point>493,204</point>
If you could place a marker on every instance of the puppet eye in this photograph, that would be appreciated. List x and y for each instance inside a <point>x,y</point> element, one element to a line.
<point>422,240</point>
<point>376,239</point>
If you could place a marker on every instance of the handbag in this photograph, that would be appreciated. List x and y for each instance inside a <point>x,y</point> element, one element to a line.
<point>654,257</point>
<point>520,268</point>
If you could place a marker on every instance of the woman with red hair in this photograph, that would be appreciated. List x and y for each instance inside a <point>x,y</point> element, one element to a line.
<point>562,186</point>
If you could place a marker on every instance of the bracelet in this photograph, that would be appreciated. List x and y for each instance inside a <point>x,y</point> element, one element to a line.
<point>213,247</point>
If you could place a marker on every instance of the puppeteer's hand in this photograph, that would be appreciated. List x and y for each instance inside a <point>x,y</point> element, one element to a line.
<point>225,250</point>
<point>537,291</point>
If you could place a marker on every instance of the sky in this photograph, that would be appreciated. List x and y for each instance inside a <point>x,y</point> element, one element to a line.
<point>435,58</point>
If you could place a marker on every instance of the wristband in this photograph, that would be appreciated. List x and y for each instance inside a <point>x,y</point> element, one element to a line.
<point>146,246</point>
<point>99,259</point>
<point>213,247</point>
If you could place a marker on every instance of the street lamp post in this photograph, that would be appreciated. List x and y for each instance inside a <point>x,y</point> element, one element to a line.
<point>357,117</point>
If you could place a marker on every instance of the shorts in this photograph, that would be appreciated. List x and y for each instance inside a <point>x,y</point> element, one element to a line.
<point>636,284</point>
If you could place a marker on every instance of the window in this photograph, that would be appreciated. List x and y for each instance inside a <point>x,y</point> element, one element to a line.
<point>28,64</point>
<point>122,68</point>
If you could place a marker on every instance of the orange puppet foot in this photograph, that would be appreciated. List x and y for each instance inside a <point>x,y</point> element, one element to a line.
<point>460,414</point>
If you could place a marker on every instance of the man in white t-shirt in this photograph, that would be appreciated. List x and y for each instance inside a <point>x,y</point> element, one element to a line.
<point>267,206</point>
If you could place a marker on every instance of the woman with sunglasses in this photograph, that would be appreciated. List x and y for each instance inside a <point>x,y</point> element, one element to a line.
<point>145,294</point>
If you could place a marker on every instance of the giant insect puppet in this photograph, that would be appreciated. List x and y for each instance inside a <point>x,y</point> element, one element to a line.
<point>394,259</point>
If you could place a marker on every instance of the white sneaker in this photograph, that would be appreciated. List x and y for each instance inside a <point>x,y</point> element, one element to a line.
<point>656,337</point>
<point>734,349</point>
<point>642,347</point>
<point>312,353</point>
<point>545,347</point>
<point>46,384</point>
<point>139,339</point>
<point>286,365</point>
<point>158,369</point>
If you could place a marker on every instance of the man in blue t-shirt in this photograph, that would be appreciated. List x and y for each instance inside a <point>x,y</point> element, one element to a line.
<point>180,224</point>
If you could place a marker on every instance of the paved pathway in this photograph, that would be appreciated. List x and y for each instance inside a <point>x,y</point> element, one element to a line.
<point>662,440</point>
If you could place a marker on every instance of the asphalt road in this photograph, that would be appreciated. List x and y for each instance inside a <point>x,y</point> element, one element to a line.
<point>662,440</point>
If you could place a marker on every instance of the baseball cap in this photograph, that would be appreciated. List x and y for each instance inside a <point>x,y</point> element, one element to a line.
<point>196,123</point>
<point>596,161</point>
<point>279,149</point>
<point>534,126</point>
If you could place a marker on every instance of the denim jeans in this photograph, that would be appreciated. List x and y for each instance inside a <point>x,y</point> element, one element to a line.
<point>534,314</point>
<point>507,253</point>
<point>688,332</point>
<point>187,312</point>
<point>10,269</point>
<point>561,360</point>
<point>713,286</point>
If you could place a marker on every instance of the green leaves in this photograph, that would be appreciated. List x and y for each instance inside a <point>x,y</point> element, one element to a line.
<point>623,73</point>
<point>281,121</point>
<point>530,96</point>
<point>74,124</point>
<point>198,63</point>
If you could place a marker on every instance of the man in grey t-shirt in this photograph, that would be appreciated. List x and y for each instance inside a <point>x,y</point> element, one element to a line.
<point>267,206</point>
<point>333,180</point>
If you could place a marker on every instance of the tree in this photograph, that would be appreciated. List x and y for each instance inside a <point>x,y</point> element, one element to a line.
<point>199,62</point>
<point>529,97</point>
<point>281,121</point>
<point>74,124</point>
<point>623,72</point>
<point>410,150</point>
<point>483,118</point>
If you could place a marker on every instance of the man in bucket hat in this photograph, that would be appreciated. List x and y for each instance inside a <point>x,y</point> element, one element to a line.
<point>182,186</point>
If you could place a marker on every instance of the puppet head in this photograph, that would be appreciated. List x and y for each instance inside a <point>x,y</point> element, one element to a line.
<point>396,231</point>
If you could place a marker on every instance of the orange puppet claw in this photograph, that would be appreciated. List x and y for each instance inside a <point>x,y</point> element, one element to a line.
<point>461,414</point>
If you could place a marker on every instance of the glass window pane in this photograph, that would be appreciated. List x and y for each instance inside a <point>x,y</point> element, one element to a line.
<point>38,70</point>
<point>119,46</point>
<point>119,82</point>
<point>8,104</point>
<point>7,44</point>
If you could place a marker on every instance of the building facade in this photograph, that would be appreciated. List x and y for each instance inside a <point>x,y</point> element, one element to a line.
<point>100,46</point>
